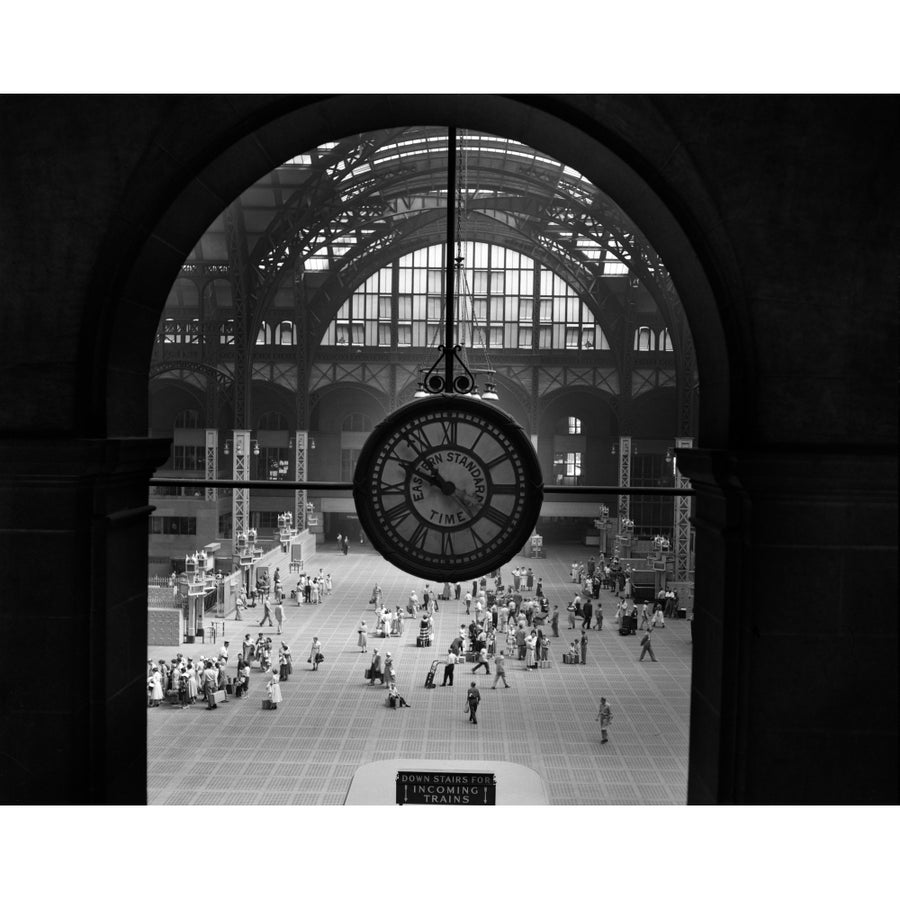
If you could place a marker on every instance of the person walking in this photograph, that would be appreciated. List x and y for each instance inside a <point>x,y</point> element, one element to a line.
<point>449,668</point>
<point>482,661</point>
<point>468,603</point>
<point>499,670</point>
<point>587,611</point>
<point>598,615</point>
<point>375,668</point>
<point>267,612</point>
<point>362,631</point>
<point>647,648</point>
<point>315,654</point>
<point>473,698</point>
<point>605,717</point>
<point>554,621</point>
<point>285,662</point>
<point>279,615</point>
<point>390,674</point>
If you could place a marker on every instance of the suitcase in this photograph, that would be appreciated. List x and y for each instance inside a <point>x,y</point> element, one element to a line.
<point>267,704</point>
<point>423,641</point>
<point>219,697</point>
<point>368,674</point>
<point>229,688</point>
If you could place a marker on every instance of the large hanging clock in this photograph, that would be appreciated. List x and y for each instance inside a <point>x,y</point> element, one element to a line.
<point>448,488</point>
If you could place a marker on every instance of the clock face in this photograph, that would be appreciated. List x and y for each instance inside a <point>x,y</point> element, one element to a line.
<point>448,488</point>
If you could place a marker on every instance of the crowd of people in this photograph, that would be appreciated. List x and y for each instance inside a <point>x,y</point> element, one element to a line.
<point>500,622</point>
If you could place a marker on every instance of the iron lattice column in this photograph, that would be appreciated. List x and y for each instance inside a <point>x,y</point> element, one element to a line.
<point>682,520</point>
<point>300,497</point>
<point>624,478</point>
<point>240,497</point>
<point>212,461</point>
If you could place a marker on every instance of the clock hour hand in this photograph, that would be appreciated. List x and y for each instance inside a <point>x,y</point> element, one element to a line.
<point>432,477</point>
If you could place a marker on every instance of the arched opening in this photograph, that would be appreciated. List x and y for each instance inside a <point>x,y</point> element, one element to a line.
<point>120,402</point>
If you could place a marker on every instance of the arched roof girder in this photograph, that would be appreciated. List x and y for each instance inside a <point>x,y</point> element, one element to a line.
<point>423,231</point>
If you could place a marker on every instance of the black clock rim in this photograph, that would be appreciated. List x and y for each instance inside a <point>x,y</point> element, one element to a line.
<point>534,488</point>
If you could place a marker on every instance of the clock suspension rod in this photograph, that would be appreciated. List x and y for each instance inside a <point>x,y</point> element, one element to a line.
<point>450,317</point>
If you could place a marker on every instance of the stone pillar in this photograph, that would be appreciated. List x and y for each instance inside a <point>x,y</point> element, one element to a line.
<point>682,530</point>
<point>74,523</point>
<point>300,497</point>
<point>624,510</point>
<point>795,652</point>
<point>212,461</point>
<point>240,471</point>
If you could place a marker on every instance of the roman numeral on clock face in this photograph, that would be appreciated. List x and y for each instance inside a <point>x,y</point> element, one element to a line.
<point>446,544</point>
<point>489,464</point>
<point>449,431</point>
<point>396,513</point>
<point>417,441</point>
<point>495,516</point>
<point>418,537</point>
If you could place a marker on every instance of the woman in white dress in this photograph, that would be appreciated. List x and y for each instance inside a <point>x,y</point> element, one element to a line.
<point>529,651</point>
<point>314,652</point>
<point>273,689</point>
<point>155,683</point>
<point>361,630</point>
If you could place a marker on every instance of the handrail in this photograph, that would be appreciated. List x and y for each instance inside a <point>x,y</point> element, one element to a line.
<point>348,486</point>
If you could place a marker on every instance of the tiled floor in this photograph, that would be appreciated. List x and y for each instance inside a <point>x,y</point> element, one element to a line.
<point>331,721</point>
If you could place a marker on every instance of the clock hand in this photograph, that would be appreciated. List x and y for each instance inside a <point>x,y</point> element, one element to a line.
<point>432,477</point>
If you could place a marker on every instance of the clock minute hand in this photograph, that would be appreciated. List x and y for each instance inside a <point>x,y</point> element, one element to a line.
<point>431,477</point>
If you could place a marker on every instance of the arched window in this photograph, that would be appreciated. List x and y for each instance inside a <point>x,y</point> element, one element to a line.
<point>512,302</point>
<point>285,334</point>
<point>665,341</point>
<point>643,339</point>
<point>356,422</point>
<point>272,421</point>
<point>188,418</point>
<point>265,334</point>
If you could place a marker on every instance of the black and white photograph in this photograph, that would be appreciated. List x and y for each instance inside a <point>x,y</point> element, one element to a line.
<point>370,445</point>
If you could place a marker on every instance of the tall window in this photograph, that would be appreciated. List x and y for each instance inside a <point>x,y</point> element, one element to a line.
<point>665,341</point>
<point>187,418</point>
<point>274,463</point>
<point>265,334</point>
<point>349,457</point>
<point>652,515</point>
<point>573,425</point>
<point>643,339</point>
<point>567,467</point>
<point>356,422</point>
<point>285,333</point>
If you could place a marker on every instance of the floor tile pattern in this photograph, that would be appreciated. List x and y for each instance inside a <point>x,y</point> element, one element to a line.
<point>331,721</point>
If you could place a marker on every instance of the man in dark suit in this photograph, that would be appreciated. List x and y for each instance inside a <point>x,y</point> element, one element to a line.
<point>473,698</point>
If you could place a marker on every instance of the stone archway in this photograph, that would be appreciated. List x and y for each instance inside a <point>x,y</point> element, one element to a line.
<point>189,173</point>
